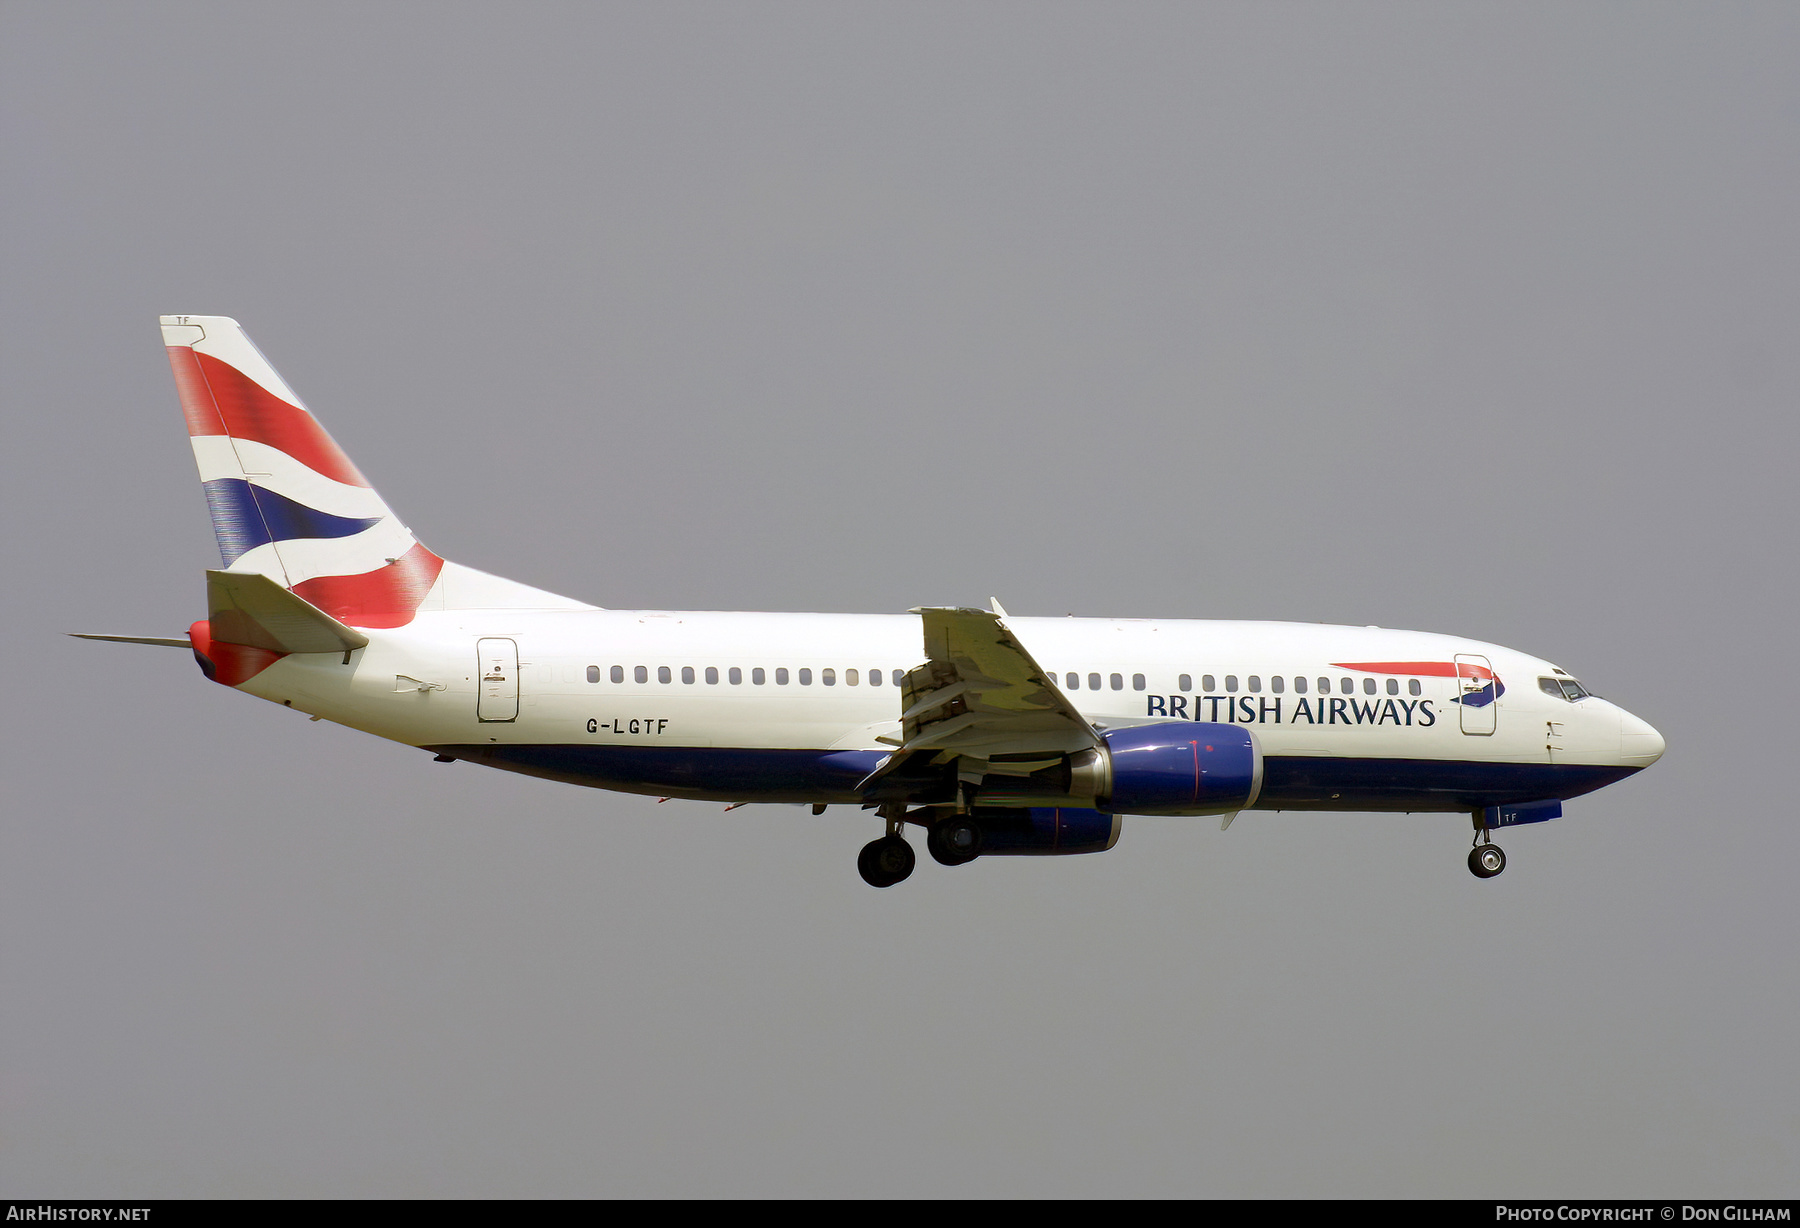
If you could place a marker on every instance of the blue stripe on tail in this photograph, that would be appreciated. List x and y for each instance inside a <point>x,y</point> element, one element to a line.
<point>246,516</point>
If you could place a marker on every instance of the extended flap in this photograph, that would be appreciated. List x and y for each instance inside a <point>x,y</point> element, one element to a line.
<point>249,608</point>
<point>980,693</point>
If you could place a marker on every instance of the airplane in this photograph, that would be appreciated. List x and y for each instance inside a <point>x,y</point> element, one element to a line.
<point>993,735</point>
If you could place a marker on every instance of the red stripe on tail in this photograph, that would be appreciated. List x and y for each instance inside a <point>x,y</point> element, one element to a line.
<point>218,399</point>
<point>386,597</point>
<point>196,398</point>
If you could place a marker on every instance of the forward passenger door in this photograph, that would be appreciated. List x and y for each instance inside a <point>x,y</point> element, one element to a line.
<point>1477,688</point>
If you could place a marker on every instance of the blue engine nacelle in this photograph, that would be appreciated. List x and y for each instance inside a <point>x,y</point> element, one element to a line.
<point>1181,767</point>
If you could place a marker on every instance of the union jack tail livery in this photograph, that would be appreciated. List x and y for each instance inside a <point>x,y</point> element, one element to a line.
<point>285,500</point>
<point>287,503</point>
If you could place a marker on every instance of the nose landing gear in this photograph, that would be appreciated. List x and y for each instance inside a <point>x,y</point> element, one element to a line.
<point>1486,860</point>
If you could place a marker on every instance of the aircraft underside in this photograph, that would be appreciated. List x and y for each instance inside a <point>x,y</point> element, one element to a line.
<point>821,777</point>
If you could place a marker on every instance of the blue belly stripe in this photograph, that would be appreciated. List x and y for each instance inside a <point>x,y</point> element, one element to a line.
<point>1289,783</point>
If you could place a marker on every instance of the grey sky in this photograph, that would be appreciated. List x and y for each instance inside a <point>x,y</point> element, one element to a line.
<point>1478,319</point>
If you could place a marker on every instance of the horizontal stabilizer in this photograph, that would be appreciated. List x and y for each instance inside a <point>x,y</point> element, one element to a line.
<point>164,641</point>
<point>249,608</point>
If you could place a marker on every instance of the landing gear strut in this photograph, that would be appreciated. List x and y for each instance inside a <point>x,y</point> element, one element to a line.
<point>886,861</point>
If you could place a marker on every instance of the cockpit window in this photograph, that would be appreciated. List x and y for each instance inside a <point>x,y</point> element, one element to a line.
<point>1562,688</point>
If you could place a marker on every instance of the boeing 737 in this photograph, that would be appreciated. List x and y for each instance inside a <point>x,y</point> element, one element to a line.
<point>992,735</point>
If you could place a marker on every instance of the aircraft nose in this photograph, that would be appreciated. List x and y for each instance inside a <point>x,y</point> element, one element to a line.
<point>1639,743</point>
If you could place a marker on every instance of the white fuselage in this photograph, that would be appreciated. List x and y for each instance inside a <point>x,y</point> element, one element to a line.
<point>646,700</point>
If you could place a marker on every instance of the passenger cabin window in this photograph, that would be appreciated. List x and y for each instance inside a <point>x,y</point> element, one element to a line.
<point>1324,686</point>
<point>712,675</point>
<point>757,677</point>
<point>1208,683</point>
<point>1118,683</point>
<point>874,677</point>
<point>1093,682</point>
<point>1347,685</point>
<point>1231,684</point>
<point>735,676</point>
<point>593,673</point>
<point>1393,686</point>
<point>849,677</point>
<point>687,674</point>
<point>1072,681</point>
<point>1413,687</point>
<point>899,675</point>
<point>663,674</point>
<point>806,677</point>
<point>1299,685</point>
<point>1185,683</point>
<point>640,674</point>
<point>1137,682</point>
<point>828,677</point>
<point>781,676</point>
<point>1368,686</point>
<point>618,673</point>
<point>1277,685</point>
<point>1254,682</point>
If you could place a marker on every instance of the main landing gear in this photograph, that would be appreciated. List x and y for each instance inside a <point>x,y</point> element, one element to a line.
<point>889,860</point>
<point>886,861</point>
<point>954,840</point>
<point>1486,859</point>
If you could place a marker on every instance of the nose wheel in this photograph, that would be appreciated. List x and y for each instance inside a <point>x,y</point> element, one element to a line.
<point>1486,860</point>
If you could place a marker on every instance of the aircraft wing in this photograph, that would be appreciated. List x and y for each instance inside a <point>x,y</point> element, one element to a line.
<point>980,696</point>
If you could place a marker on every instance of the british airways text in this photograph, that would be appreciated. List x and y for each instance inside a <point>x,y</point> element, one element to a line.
<point>1299,710</point>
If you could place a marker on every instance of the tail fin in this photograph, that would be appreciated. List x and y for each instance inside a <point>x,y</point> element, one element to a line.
<point>288,504</point>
